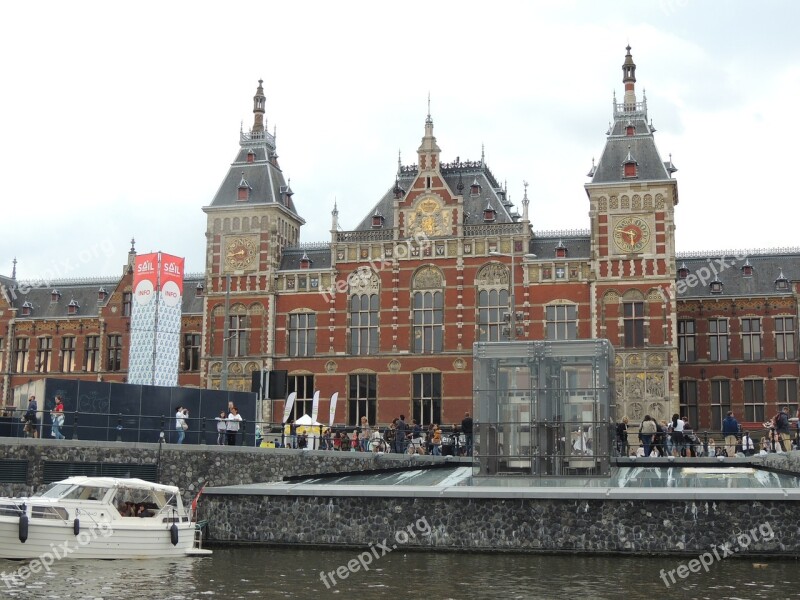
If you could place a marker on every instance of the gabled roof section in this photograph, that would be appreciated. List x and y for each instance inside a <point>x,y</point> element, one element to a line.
<point>459,176</point>
<point>257,163</point>
<point>576,241</point>
<point>630,135</point>
<point>83,292</point>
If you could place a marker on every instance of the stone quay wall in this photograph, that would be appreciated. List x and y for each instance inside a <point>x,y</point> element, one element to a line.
<point>191,466</point>
<point>538,525</point>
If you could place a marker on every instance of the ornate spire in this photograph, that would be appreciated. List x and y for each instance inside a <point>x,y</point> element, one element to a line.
<point>629,79</point>
<point>525,202</point>
<point>259,102</point>
<point>335,217</point>
<point>428,151</point>
<point>14,268</point>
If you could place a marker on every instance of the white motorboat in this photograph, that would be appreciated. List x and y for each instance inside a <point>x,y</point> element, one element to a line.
<point>98,517</point>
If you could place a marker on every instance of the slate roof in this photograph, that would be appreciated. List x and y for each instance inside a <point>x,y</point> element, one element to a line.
<point>319,253</point>
<point>85,293</point>
<point>642,148</point>
<point>491,193</point>
<point>767,267</point>
<point>263,176</point>
<point>578,244</point>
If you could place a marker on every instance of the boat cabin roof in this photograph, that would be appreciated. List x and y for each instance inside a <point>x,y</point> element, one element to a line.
<point>115,482</point>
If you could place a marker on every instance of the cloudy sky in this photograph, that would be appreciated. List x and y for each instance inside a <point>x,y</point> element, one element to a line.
<point>119,120</point>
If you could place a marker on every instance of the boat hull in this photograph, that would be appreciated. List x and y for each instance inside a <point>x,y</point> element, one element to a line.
<point>118,539</point>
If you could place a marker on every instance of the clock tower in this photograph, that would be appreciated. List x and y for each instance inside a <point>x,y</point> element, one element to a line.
<point>632,199</point>
<point>249,222</point>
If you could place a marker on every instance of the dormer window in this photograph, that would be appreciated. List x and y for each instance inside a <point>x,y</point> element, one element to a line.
<point>489,214</point>
<point>716,286</point>
<point>781,283</point>
<point>251,156</point>
<point>305,262</point>
<point>629,129</point>
<point>475,188</point>
<point>630,167</point>
<point>72,307</point>
<point>243,194</point>
<point>55,295</point>
<point>27,309</point>
<point>561,250</point>
<point>747,269</point>
<point>102,294</point>
<point>683,271</point>
<point>398,191</point>
<point>199,289</point>
<point>377,220</point>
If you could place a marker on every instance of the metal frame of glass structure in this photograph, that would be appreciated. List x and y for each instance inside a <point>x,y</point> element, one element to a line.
<point>543,408</point>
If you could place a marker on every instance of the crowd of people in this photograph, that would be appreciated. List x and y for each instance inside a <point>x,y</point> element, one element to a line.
<point>399,437</point>
<point>677,438</point>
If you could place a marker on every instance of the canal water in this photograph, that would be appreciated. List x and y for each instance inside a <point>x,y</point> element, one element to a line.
<point>249,572</point>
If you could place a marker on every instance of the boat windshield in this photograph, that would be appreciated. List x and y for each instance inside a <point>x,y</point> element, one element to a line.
<point>135,502</point>
<point>54,490</point>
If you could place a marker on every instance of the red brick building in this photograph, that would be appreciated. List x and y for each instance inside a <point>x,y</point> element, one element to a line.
<point>386,312</point>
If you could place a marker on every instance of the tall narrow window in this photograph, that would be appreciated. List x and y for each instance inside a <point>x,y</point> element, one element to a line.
<point>21,348</point>
<point>362,398</point>
<point>720,401</point>
<point>427,398</point>
<point>303,386</point>
<point>428,315</point>
<point>191,352</point>
<point>237,332</point>
<point>114,356</point>
<point>364,324</point>
<point>784,338</point>
<point>562,322</point>
<point>44,354</point>
<point>751,339</point>
<point>686,341</point>
<point>718,339</point>
<point>91,354</point>
<point>492,305</point>
<point>688,402</point>
<point>126,303</point>
<point>634,324</point>
<point>754,406</point>
<point>302,334</point>
<point>68,345</point>
<point>787,394</point>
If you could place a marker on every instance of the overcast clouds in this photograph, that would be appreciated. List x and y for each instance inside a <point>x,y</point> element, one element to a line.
<point>120,120</point>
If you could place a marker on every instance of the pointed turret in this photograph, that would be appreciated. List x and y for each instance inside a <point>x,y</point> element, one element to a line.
<point>429,150</point>
<point>259,102</point>
<point>629,79</point>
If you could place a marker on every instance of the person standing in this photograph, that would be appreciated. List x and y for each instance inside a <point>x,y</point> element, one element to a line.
<point>647,431</point>
<point>222,428</point>
<point>31,419</point>
<point>234,419</point>
<point>57,419</point>
<point>622,437</point>
<point>180,424</point>
<point>466,428</point>
<point>400,435</point>
<point>677,434</point>
<point>365,434</point>
<point>782,428</point>
<point>730,429</point>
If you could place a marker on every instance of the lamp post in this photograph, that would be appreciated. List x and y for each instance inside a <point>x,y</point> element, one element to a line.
<point>223,384</point>
<point>511,297</point>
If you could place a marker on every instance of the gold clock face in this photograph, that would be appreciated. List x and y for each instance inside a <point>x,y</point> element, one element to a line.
<point>631,234</point>
<point>240,252</point>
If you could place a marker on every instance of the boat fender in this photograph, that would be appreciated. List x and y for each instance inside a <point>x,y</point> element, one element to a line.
<point>76,526</point>
<point>23,528</point>
<point>173,534</point>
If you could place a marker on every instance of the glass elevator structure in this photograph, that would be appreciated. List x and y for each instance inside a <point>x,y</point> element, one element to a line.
<point>543,408</point>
